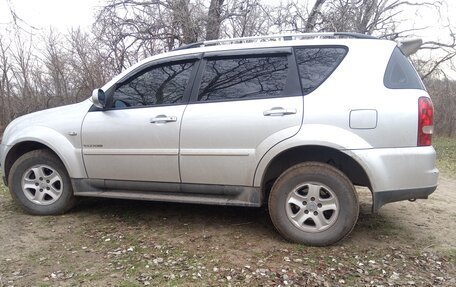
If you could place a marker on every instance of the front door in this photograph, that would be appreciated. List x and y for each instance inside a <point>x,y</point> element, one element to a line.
<point>138,137</point>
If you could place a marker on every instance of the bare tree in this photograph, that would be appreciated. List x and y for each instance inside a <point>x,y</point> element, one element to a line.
<point>5,83</point>
<point>243,18</point>
<point>88,70</point>
<point>214,19</point>
<point>131,30</point>
<point>312,19</point>
<point>182,18</point>
<point>56,63</point>
<point>443,92</point>
<point>24,60</point>
<point>447,51</point>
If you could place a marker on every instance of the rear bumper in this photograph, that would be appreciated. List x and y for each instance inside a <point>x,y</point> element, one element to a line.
<point>399,173</point>
<point>383,197</point>
<point>398,168</point>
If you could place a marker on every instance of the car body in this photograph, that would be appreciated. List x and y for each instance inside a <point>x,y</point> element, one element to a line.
<point>229,119</point>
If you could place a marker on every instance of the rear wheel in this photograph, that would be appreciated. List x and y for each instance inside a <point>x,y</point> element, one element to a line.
<point>314,204</point>
<point>40,184</point>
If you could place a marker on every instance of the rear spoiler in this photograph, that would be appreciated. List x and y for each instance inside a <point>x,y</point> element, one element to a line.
<point>409,46</point>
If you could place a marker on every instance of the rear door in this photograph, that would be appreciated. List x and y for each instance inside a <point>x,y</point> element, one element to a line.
<point>245,103</point>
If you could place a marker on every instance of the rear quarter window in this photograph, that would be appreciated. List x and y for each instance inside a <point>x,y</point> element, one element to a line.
<point>315,65</point>
<point>400,73</point>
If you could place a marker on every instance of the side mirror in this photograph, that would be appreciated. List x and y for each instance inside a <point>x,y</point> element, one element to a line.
<point>99,98</point>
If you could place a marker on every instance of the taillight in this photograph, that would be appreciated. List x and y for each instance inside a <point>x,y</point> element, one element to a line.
<point>425,121</point>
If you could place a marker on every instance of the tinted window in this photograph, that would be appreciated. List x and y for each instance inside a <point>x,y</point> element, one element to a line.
<point>162,85</point>
<point>400,73</point>
<point>316,64</point>
<point>243,78</point>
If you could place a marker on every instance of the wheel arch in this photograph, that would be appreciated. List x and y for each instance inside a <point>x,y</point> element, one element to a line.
<point>28,140</point>
<point>21,148</point>
<point>287,158</point>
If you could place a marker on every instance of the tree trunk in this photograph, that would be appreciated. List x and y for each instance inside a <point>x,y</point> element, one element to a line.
<point>184,20</point>
<point>214,19</point>
<point>310,24</point>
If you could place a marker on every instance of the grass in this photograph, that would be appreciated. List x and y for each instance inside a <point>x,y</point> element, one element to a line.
<point>3,188</point>
<point>446,154</point>
<point>452,255</point>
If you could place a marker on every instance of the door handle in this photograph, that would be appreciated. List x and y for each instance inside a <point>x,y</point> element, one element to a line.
<point>279,111</point>
<point>161,119</point>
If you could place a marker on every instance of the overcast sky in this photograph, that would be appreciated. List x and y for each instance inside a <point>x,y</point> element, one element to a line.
<point>64,14</point>
<point>61,14</point>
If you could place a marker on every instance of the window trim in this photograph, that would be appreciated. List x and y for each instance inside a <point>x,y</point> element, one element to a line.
<point>292,86</point>
<point>161,61</point>
<point>329,75</point>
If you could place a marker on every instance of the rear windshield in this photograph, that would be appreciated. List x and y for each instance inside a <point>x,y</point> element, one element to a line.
<point>400,73</point>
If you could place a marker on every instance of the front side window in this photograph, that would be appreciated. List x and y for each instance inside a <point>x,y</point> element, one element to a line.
<point>243,78</point>
<point>161,85</point>
<point>316,64</point>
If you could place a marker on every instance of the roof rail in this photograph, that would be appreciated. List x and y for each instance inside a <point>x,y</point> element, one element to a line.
<point>286,37</point>
<point>289,37</point>
<point>188,46</point>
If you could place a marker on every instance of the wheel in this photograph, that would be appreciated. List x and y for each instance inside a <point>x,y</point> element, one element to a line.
<point>39,183</point>
<point>313,204</point>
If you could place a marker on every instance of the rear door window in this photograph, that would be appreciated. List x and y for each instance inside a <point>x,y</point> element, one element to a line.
<point>315,64</point>
<point>243,77</point>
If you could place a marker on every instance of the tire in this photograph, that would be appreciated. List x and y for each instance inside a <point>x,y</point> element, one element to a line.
<point>40,185</point>
<point>313,204</point>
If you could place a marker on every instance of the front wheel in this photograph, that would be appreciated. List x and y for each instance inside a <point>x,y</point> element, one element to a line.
<point>313,204</point>
<point>39,183</point>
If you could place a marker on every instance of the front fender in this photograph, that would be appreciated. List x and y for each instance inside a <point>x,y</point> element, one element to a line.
<point>315,135</point>
<point>67,148</point>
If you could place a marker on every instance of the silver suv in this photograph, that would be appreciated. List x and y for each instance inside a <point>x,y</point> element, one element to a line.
<point>292,122</point>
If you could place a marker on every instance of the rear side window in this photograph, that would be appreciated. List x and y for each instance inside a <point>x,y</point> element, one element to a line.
<point>400,73</point>
<point>316,64</point>
<point>243,78</point>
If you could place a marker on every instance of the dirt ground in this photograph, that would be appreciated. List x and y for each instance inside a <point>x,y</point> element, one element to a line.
<point>129,243</point>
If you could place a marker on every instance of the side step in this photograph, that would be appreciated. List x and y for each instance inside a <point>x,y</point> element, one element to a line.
<point>169,192</point>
